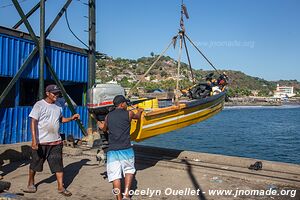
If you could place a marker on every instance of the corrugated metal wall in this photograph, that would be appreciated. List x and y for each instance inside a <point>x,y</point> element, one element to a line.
<point>68,65</point>
<point>71,128</point>
<point>15,124</point>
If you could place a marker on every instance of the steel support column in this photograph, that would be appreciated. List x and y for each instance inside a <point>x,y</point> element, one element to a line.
<point>92,47</point>
<point>42,49</point>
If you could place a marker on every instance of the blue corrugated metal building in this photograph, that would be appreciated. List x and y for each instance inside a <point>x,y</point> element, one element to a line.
<point>71,66</point>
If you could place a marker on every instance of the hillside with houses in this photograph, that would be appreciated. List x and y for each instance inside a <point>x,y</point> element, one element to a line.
<point>163,76</point>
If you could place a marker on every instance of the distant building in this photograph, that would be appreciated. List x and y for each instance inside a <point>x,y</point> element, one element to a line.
<point>141,90</point>
<point>155,81</point>
<point>112,82</point>
<point>284,91</point>
<point>254,92</point>
<point>127,89</point>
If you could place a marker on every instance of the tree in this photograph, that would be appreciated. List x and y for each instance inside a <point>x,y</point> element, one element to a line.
<point>114,72</point>
<point>163,74</point>
<point>230,92</point>
<point>125,83</point>
<point>264,92</point>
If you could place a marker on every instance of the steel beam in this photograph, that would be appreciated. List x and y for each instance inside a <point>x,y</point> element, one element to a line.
<point>29,28</point>
<point>64,93</point>
<point>92,48</point>
<point>19,23</point>
<point>42,49</point>
<point>92,43</point>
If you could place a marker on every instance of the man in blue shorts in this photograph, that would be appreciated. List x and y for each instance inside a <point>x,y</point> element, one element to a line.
<point>120,155</point>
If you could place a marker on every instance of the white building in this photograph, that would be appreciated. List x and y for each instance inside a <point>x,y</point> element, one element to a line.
<point>284,91</point>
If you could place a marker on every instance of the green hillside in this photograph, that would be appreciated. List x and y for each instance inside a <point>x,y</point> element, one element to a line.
<point>127,72</point>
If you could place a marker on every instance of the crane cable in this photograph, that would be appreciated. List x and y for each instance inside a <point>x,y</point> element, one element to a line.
<point>182,36</point>
<point>185,13</point>
<point>202,54</point>
<point>145,74</point>
<point>178,68</point>
<point>66,16</point>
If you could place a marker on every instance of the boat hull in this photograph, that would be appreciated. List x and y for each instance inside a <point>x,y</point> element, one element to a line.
<point>176,117</point>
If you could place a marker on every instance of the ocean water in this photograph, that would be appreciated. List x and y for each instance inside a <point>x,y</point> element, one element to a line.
<point>268,133</point>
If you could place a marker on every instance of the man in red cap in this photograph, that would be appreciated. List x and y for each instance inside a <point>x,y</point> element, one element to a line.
<point>45,116</point>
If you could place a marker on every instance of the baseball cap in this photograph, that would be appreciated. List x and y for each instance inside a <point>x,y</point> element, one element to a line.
<point>120,99</point>
<point>52,88</point>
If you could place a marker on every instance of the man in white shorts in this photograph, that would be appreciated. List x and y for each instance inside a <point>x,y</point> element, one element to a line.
<point>120,155</point>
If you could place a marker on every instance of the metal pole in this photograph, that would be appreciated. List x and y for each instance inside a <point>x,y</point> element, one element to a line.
<point>92,47</point>
<point>42,49</point>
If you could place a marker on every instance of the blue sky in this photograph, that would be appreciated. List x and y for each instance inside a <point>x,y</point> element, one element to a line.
<point>258,37</point>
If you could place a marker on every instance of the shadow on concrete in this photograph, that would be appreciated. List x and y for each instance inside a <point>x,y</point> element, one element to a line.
<point>15,159</point>
<point>133,184</point>
<point>193,179</point>
<point>70,172</point>
<point>146,156</point>
<point>149,156</point>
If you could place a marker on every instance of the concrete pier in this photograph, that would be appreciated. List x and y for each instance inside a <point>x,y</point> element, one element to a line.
<point>161,174</point>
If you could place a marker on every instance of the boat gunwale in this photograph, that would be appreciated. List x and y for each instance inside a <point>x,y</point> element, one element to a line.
<point>185,105</point>
<point>216,108</point>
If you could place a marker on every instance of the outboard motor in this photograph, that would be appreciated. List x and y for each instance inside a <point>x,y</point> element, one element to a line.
<point>202,90</point>
<point>100,103</point>
<point>100,99</point>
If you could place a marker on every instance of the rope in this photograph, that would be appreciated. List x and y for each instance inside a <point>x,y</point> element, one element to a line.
<point>201,53</point>
<point>178,68</point>
<point>188,57</point>
<point>164,51</point>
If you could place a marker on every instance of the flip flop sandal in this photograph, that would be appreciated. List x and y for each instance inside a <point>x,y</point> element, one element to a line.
<point>65,193</point>
<point>30,189</point>
<point>256,166</point>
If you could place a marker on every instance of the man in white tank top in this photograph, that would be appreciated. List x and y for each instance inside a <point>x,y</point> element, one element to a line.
<point>46,116</point>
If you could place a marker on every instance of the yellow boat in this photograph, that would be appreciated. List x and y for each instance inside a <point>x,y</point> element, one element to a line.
<point>162,120</point>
